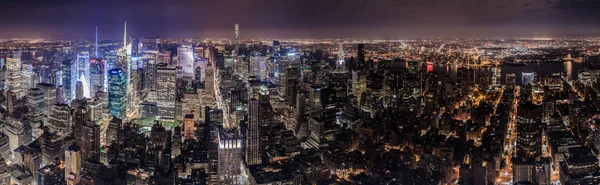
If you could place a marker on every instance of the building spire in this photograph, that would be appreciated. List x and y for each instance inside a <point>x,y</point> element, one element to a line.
<point>96,53</point>
<point>125,36</point>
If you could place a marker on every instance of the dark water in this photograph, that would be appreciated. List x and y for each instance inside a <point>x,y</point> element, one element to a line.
<point>571,69</point>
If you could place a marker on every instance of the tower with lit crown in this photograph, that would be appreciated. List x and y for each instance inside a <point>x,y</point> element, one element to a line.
<point>340,59</point>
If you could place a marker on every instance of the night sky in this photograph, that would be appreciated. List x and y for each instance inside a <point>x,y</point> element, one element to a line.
<point>386,19</point>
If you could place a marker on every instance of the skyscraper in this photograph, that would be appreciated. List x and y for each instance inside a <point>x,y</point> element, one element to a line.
<point>59,119</point>
<point>496,76</point>
<point>258,66</point>
<point>72,165</point>
<point>18,131</point>
<point>79,90</point>
<point>88,140</point>
<point>113,130</point>
<point>340,60</point>
<point>166,88</point>
<point>67,81</point>
<point>237,40</point>
<point>49,91</point>
<point>230,154</point>
<point>14,77</point>
<point>186,60</point>
<point>529,134</point>
<point>35,107</point>
<point>51,146</point>
<point>97,79</point>
<point>361,56</point>
<point>83,72</point>
<point>253,152</point>
<point>117,92</point>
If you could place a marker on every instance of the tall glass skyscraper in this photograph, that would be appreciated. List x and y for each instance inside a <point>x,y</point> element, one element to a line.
<point>117,92</point>
<point>67,74</point>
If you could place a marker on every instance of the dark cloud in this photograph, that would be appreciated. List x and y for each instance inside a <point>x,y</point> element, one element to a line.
<point>299,18</point>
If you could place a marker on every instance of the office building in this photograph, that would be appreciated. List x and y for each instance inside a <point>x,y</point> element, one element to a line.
<point>529,130</point>
<point>72,165</point>
<point>14,77</point>
<point>117,92</point>
<point>230,156</point>
<point>166,87</point>
<point>51,146</point>
<point>18,131</point>
<point>87,138</point>
<point>98,76</point>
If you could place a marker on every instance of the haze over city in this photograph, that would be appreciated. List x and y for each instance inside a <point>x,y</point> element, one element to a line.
<point>390,19</point>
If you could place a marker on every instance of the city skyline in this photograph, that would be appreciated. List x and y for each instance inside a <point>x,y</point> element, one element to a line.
<point>299,92</point>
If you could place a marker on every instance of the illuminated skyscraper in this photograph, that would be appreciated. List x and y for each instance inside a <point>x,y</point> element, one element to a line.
<point>186,60</point>
<point>83,72</point>
<point>18,131</point>
<point>117,92</point>
<point>150,75</point>
<point>49,91</point>
<point>230,154</point>
<point>340,60</point>
<point>97,79</point>
<point>14,77</point>
<point>59,119</point>
<point>258,66</point>
<point>166,88</point>
<point>496,76</point>
<point>529,130</point>
<point>67,81</point>
<point>35,107</point>
<point>253,152</point>
<point>237,40</point>
<point>192,104</point>
<point>258,127</point>
<point>72,165</point>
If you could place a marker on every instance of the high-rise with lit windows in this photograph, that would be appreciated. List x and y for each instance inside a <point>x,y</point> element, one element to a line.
<point>117,92</point>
